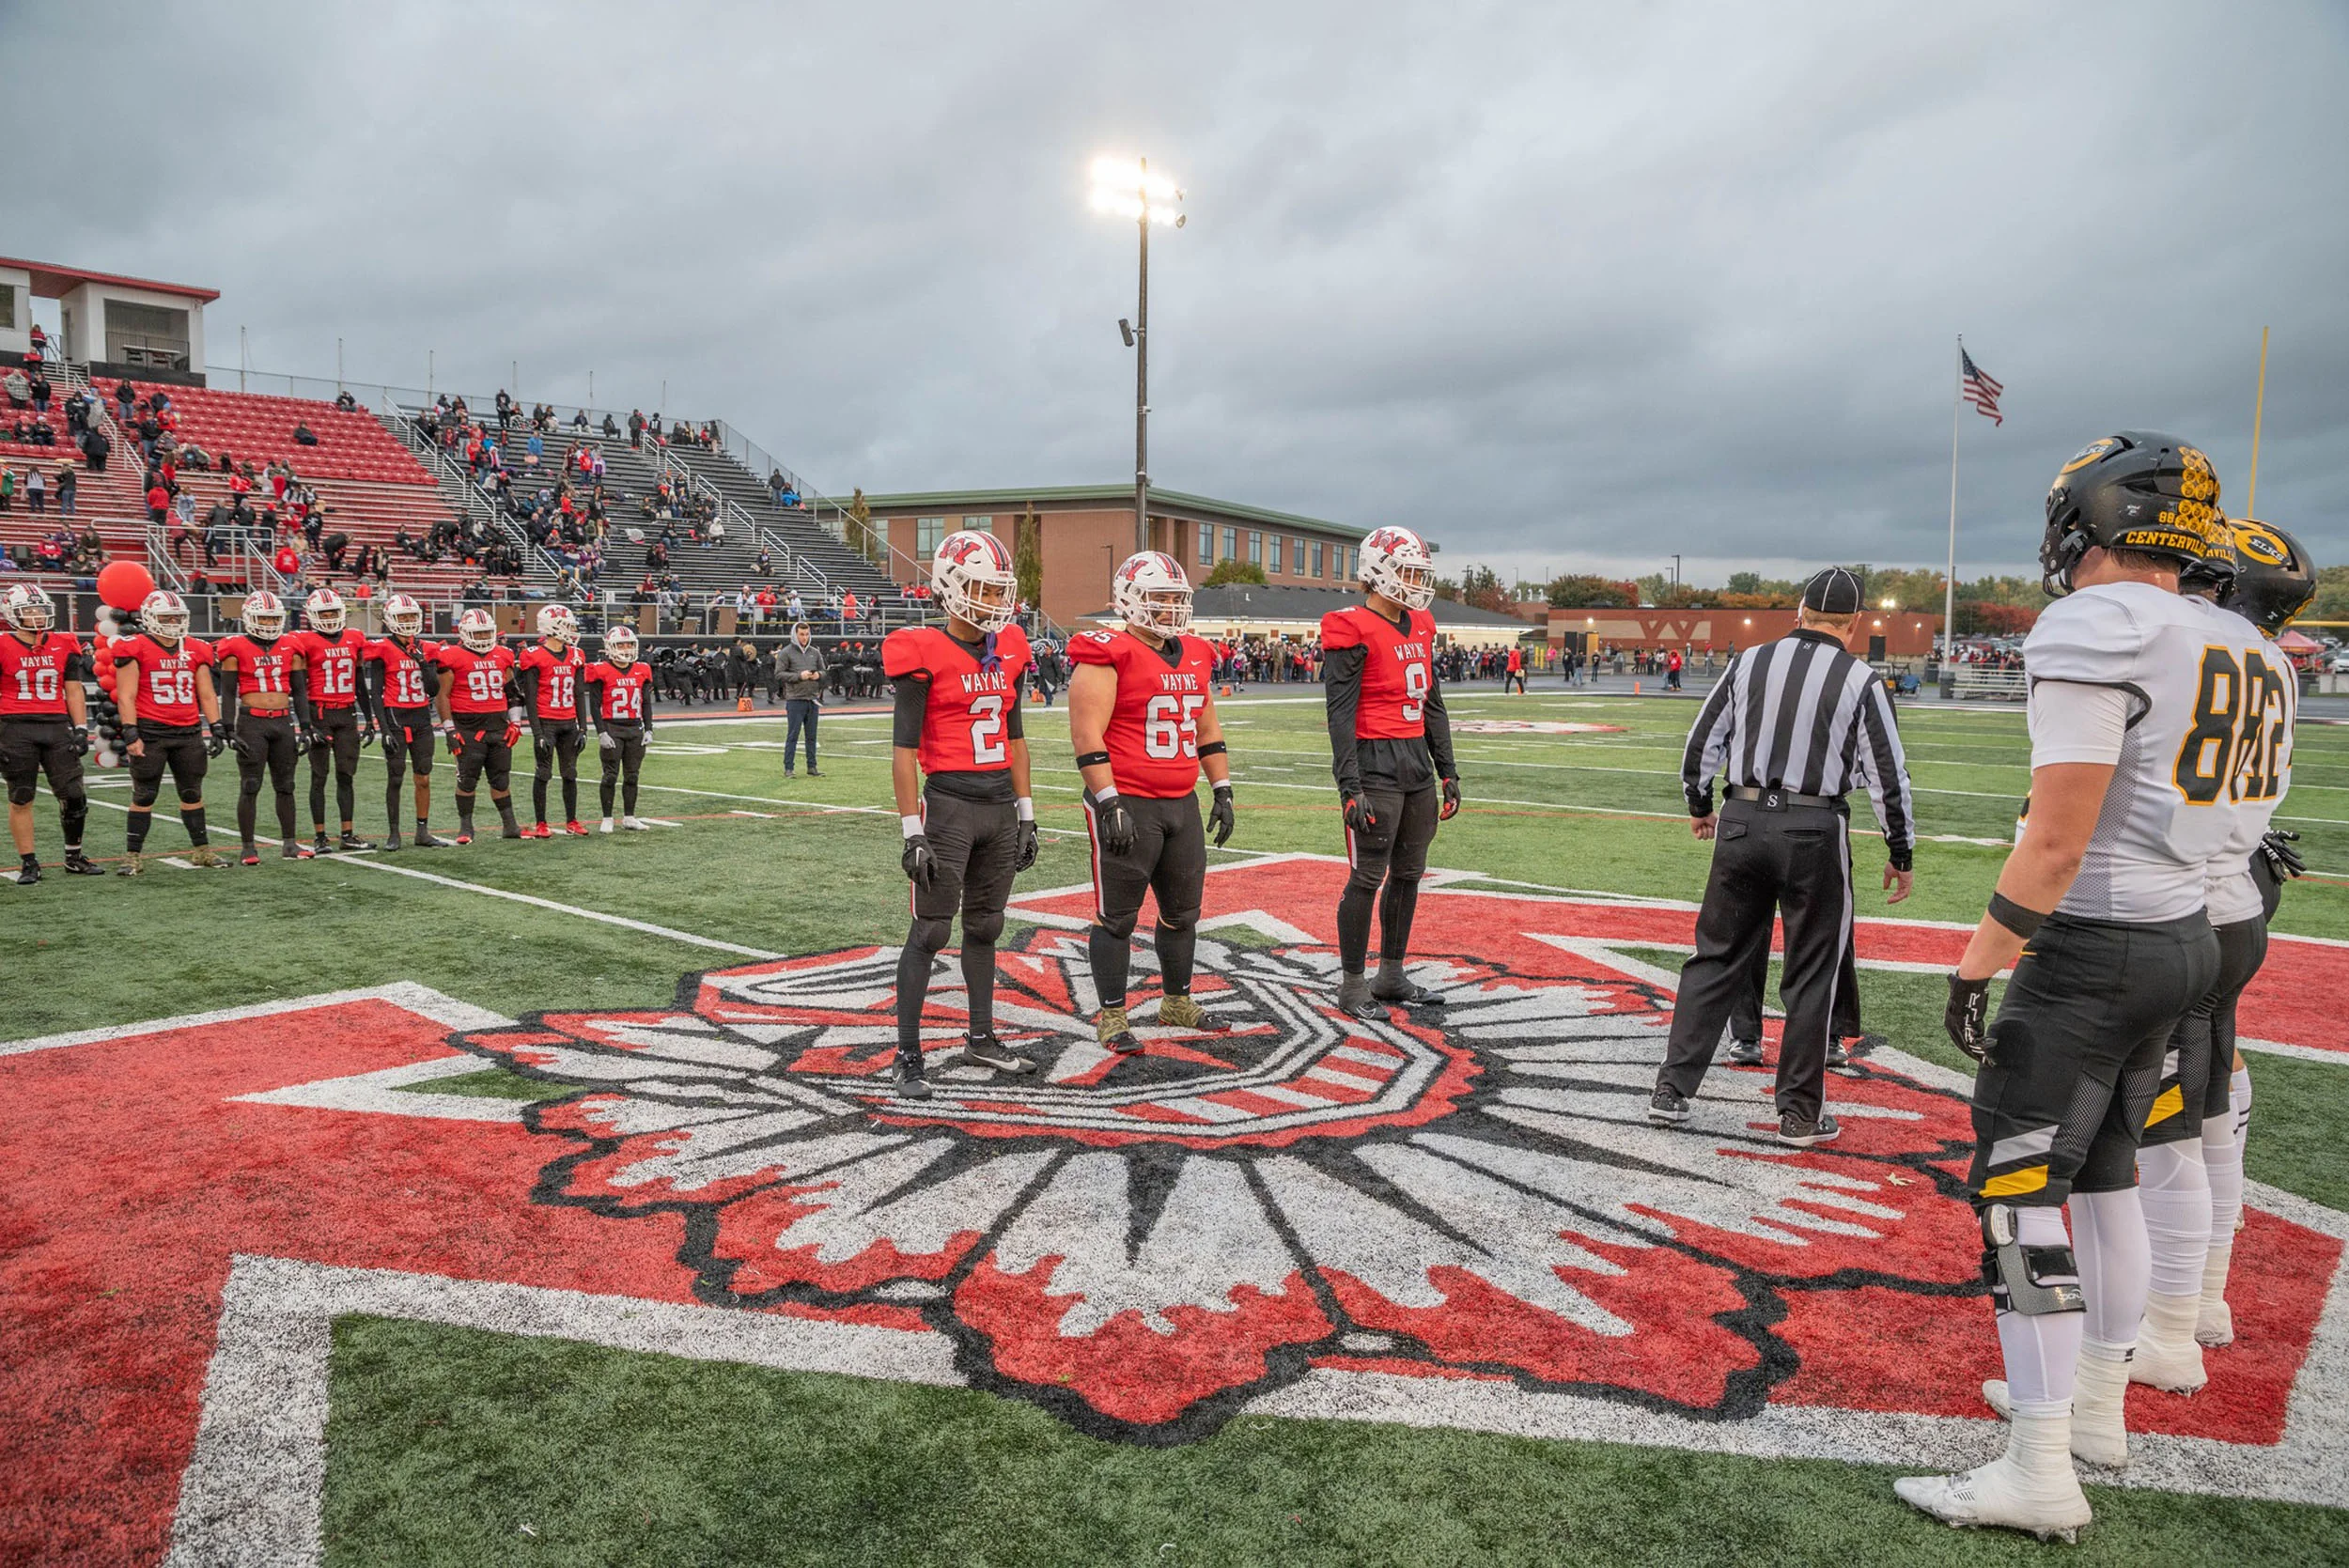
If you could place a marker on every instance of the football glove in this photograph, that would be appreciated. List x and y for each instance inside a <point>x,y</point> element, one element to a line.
<point>1220,816</point>
<point>1358,813</point>
<point>1968,1016</point>
<point>1024,855</point>
<point>921,866</point>
<point>366,735</point>
<point>79,734</point>
<point>1116,825</point>
<point>1451,807</point>
<point>513,733</point>
<point>2282,860</point>
<point>214,742</point>
<point>607,741</point>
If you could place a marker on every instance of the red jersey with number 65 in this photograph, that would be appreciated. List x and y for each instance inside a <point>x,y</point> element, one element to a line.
<point>476,681</point>
<point>1153,733</point>
<point>403,669</point>
<point>559,681</point>
<point>166,678</point>
<point>1397,667</point>
<point>619,692</point>
<point>32,679</point>
<point>964,728</point>
<point>333,664</point>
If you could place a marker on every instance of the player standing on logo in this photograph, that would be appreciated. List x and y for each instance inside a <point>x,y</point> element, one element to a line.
<point>546,678</point>
<point>2191,1171</point>
<point>2100,910</point>
<point>959,769</point>
<point>274,695</point>
<point>1142,716</point>
<point>164,692</point>
<point>403,674</point>
<point>44,725</point>
<point>1391,750</point>
<point>482,729</point>
<point>331,651</point>
<point>620,694</point>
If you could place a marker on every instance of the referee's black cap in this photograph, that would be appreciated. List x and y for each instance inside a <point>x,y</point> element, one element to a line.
<point>1833,592</point>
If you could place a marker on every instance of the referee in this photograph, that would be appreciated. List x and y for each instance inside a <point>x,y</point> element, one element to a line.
<point>1791,726</point>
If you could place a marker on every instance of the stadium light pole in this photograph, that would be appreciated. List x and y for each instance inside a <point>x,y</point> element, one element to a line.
<point>1131,190</point>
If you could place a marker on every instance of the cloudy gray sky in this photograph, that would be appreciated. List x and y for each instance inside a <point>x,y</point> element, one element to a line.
<point>1569,286</point>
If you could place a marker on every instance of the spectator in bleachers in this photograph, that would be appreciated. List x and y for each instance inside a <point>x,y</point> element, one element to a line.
<point>346,402</point>
<point>636,427</point>
<point>39,387</point>
<point>579,420</point>
<point>37,351</point>
<point>610,428</point>
<point>505,410</point>
<point>126,397</point>
<point>303,435</point>
<point>36,489</point>
<point>69,487</point>
<point>96,445</point>
<point>7,489</point>
<point>158,503</point>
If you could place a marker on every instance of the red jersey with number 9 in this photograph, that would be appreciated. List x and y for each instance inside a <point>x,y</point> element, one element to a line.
<point>333,664</point>
<point>1153,733</point>
<point>966,725</point>
<point>32,679</point>
<point>1397,668</point>
<point>166,678</point>
<point>476,681</point>
<point>403,669</point>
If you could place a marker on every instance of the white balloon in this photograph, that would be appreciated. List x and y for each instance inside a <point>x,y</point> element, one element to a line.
<point>105,759</point>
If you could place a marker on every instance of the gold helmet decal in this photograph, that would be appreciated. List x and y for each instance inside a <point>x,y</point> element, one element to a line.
<point>2256,541</point>
<point>2089,454</point>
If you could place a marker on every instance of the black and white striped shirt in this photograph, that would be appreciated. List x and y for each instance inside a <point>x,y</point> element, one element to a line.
<point>1803,714</point>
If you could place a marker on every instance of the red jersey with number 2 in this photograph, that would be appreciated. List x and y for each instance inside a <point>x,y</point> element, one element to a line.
<point>333,664</point>
<point>1397,665</point>
<point>559,681</point>
<point>967,725</point>
<point>476,681</point>
<point>166,678</point>
<point>403,669</point>
<point>32,679</point>
<point>1153,733</point>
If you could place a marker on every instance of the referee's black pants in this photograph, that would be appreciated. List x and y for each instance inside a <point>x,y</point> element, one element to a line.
<point>1792,863</point>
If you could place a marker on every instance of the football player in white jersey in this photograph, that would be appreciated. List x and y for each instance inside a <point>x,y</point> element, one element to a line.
<point>2190,1172</point>
<point>2130,749</point>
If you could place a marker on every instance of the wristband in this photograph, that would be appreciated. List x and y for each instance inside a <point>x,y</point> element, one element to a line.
<point>2023,923</point>
<point>1106,793</point>
<point>1094,759</point>
<point>1212,749</point>
<point>1025,806</point>
<point>912,826</point>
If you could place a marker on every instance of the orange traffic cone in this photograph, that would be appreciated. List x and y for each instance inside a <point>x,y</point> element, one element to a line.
<point>1634,688</point>
<point>742,704</point>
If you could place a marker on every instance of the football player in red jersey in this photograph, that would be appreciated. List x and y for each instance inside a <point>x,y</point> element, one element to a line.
<point>403,673</point>
<point>482,727</point>
<point>331,651</point>
<point>546,681</point>
<point>959,765</point>
<point>44,725</point>
<point>1142,716</point>
<point>164,692</point>
<point>1391,750</point>
<point>271,692</point>
<point>618,688</point>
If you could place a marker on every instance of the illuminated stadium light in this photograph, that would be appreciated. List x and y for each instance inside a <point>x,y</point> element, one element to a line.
<point>1127,189</point>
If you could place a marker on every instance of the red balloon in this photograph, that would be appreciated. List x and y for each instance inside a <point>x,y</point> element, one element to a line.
<point>125,584</point>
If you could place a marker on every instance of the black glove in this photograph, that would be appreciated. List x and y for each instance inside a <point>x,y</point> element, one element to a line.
<point>366,735</point>
<point>1025,856</point>
<point>214,742</point>
<point>79,734</point>
<point>1968,1016</point>
<point>1358,813</point>
<point>2282,860</point>
<point>921,866</point>
<point>1115,824</point>
<point>1451,807</point>
<point>1220,815</point>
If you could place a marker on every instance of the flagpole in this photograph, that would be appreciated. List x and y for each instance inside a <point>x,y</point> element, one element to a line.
<point>1949,584</point>
<point>2259,409</point>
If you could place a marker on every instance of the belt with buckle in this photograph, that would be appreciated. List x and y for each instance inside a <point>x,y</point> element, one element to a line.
<point>1779,799</point>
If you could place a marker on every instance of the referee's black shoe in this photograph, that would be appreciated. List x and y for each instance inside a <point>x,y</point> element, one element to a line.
<point>1744,1053</point>
<point>1666,1106</point>
<point>1796,1133</point>
<point>988,1051</point>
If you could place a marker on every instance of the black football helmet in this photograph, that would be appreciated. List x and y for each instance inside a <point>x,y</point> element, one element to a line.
<point>2141,491</point>
<point>2274,578</point>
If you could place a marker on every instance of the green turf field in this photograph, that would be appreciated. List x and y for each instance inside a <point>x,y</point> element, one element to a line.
<point>449,1445</point>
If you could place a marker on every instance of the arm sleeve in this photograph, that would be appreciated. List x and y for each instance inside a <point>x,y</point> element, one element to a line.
<point>224,689</point>
<point>371,682</point>
<point>1708,740</point>
<point>1884,766</point>
<point>1342,694</point>
<point>1439,725</point>
<point>2077,721</point>
<point>591,694</point>
<point>1014,727</point>
<point>526,686</point>
<point>300,685</point>
<point>913,703</point>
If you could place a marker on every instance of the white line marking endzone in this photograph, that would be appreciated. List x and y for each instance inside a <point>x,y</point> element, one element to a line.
<point>423,1000</point>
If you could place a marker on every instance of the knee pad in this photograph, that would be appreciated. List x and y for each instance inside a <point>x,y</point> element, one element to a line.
<point>248,782</point>
<point>929,936</point>
<point>2032,1279</point>
<point>1122,928</point>
<point>1177,919</point>
<point>23,794</point>
<point>143,792</point>
<point>190,800</point>
<point>542,761</point>
<point>501,778</point>
<point>980,930</point>
<point>75,798</point>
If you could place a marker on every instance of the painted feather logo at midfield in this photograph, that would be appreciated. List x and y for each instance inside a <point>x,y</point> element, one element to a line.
<point>1143,1244</point>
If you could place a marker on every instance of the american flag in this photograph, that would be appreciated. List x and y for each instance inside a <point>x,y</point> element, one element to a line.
<point>1975,385</point>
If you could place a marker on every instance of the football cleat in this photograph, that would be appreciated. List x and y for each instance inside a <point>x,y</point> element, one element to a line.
<point>28,874</point>
<point>2093,1442</point>
<point>131,866</point>
<point>390,841</point>
<point>1184,1012</point>
<point>1411,994</point>
<point>353,841</point>
<point>515,831</point>
<point>1744,1053</point>
<point>636,824</point>
<point>1354,998</point>
<point>319,846</point>
<point>540,830</point>
<point>205,857</point>
<point>464,836</point>
<point>1797,1133</point>
<point>2030,1487</point>
<point>607,825</point>
<point>250,857</point>
<point>292,851</point>
<point>2167,1355</point>
<point>573,829</point>
<point>79,864</point>
<point>1115,1031</point>
<point>906,1080</point>
<point>426,841</point>
<point>988,1051</point>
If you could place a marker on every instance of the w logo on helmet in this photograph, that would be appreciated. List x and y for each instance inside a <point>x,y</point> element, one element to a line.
<point>971,548</point>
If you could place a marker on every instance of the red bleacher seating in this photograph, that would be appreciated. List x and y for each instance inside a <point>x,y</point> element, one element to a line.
<point>259,428</point>
<point>370,514</point>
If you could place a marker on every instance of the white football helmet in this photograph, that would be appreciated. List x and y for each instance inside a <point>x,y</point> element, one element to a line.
<point>29,607</point>
<point>619,648</point>
<point>324,610</point>
<point>556,624</point>
<point>1396,563</point>
<point>477,629</point>
<point>163,613</point>
<point>1151,592</point>
<point>403,616</point>
<point>264,616</point>
<point>971,573</point>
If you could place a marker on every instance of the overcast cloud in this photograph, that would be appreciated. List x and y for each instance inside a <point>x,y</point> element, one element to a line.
<point>1567,286</point>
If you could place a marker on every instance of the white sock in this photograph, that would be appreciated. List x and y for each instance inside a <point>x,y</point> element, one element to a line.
<point>2042,1350</point>
<point>2239,1095</point>
<point>2213,1308</point>
<point>2108,1238</point>
<point>2223,1163</point>
<point>2099,1394</point>
<point>2173,1189</point>
<point>2169,1318</point>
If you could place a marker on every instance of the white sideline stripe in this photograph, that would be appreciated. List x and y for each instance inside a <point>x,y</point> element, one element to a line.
<point>385,1093</point>
<point>598,915</point>
<point>438,1006</point>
